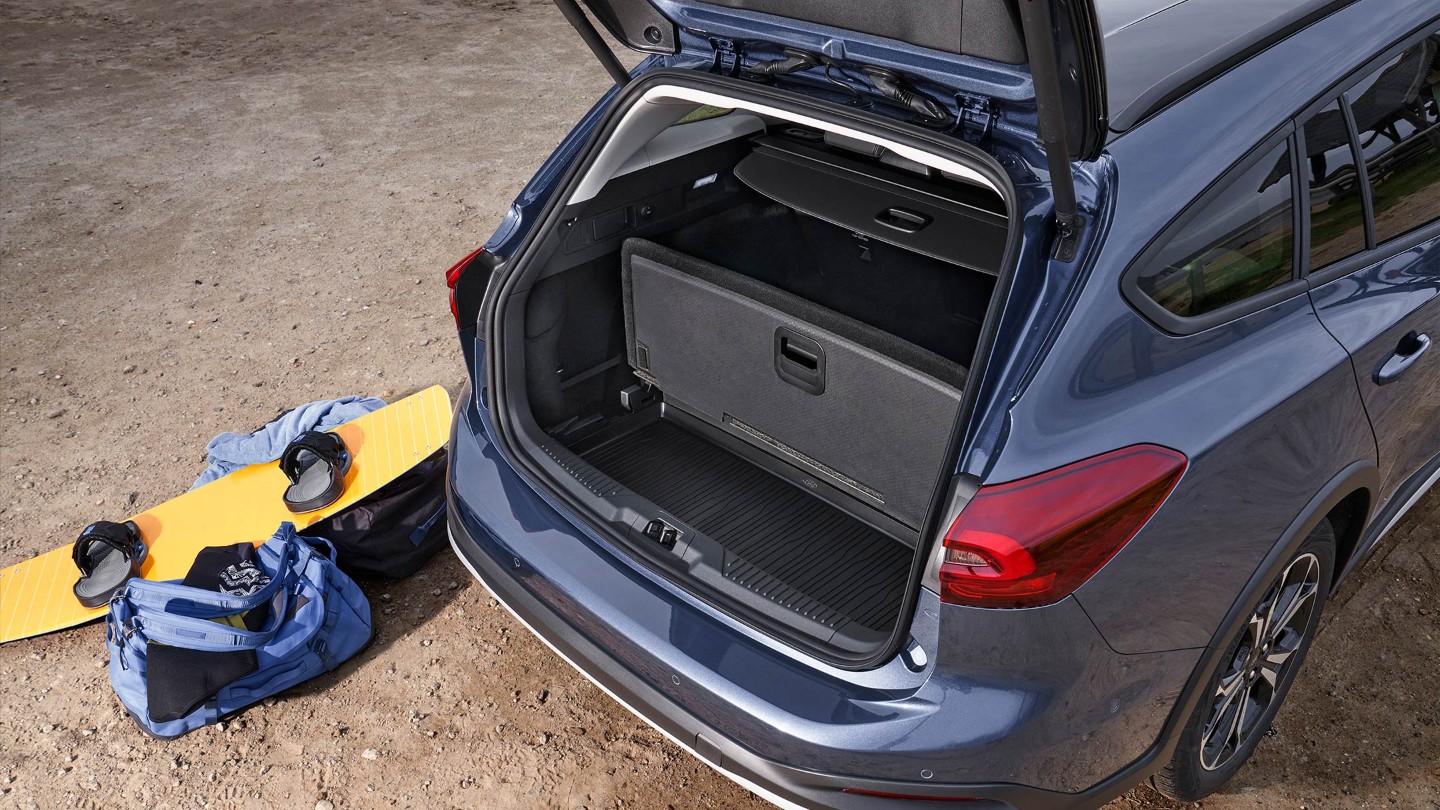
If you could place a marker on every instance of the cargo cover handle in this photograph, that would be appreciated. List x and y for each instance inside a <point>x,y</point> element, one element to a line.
<point>800,361</point>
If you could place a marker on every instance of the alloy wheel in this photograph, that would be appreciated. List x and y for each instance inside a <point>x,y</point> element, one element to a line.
<point>1261,661</point>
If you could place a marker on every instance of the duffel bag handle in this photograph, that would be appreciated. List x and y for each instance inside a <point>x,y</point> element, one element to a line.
<point>200,633</point>
<point>320,544</point>
<point>149,596</point>
<point>208,636</point>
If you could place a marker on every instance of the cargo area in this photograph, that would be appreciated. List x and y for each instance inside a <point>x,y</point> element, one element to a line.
<point>744,349</point>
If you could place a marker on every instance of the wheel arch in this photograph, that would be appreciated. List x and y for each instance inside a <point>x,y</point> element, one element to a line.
<point>1351,492</point>
<point>1350,517</point>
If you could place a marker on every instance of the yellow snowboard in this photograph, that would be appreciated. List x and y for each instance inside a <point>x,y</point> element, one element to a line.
<point>36,595</point>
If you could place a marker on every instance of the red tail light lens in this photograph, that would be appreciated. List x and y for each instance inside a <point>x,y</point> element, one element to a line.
<point>452,277</point>
<point>1032,542</point>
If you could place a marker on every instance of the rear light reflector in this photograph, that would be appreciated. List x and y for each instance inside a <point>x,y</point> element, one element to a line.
<point>452,277</point>
<point>1032,542</point>
<point>912,798</point>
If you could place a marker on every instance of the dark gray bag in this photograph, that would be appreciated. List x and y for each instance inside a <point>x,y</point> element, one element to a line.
<point>396,529</point>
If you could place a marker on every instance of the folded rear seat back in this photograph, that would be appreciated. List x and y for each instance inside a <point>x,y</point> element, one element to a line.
<point>856,406</point>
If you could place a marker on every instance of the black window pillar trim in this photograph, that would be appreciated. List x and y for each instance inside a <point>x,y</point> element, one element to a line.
<point>1299,205</point>
<point>1367,204</point>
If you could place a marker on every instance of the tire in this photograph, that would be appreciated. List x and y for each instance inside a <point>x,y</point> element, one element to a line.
<point>1252,680</point>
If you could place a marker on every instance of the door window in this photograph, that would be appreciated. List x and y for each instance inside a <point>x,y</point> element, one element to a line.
<point>1397,118</point>
<point>1242,242</point>
<point>1337,210</point>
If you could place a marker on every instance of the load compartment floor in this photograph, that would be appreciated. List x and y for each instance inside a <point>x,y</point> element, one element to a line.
<point>781,542</point>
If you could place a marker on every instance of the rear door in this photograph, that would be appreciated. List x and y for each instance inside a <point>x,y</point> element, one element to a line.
<point>1374,243</point>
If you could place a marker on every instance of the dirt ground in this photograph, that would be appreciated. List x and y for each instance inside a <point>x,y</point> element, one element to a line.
<point>212,211</point>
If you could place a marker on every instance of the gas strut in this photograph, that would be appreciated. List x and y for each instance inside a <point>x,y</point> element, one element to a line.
<point>592,38</point>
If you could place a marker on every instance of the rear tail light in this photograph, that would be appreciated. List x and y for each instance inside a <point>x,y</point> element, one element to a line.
<point>1032,542</point>
<point>452,277</point>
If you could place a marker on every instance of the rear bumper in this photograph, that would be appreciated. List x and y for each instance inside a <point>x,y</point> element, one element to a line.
<point>797,733</point>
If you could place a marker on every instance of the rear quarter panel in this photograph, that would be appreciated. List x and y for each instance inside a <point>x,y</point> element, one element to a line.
<point>1265,407</point>
<point>1267,412</point>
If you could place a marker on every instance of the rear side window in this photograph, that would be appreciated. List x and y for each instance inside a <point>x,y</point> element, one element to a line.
<point>1240,243</point>
<point>1398,124</point>
<point>1337,209</point>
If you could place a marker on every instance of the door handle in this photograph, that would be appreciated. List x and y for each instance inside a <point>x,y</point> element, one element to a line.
<point>1411,348</point>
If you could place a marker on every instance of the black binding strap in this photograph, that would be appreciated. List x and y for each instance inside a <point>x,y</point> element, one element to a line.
<point>120,536</point>
<point>328,446</point>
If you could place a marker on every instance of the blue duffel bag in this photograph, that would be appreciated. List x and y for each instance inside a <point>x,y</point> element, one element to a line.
<point>315,618</point>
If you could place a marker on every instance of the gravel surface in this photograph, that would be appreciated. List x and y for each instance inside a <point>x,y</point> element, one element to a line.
<point>213,211</point>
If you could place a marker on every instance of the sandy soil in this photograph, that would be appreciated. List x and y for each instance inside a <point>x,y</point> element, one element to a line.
<point>212,211</point>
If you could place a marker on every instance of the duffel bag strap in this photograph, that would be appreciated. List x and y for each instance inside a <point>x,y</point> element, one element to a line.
<point>418,536</point>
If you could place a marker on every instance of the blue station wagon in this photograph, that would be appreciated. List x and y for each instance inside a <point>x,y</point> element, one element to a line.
<point>971,400</point>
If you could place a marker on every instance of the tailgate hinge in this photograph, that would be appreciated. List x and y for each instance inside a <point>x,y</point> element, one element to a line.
<point>977,116</point>
<point>728,54</point>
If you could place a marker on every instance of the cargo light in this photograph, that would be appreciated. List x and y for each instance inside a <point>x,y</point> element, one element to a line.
<point>1033,541</point>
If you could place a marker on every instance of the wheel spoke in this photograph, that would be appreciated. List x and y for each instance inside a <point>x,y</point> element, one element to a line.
<point>1272,662</point>
<point>1229,685</point>
<point>1237,726</point>
<point>1258,627</point>
<point>1303,581</point>
<point>1300,599</point>
<point>1212,743</point>
<point>1231,689</point>
<point>1276,658</point>
<point>1277,591</point>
